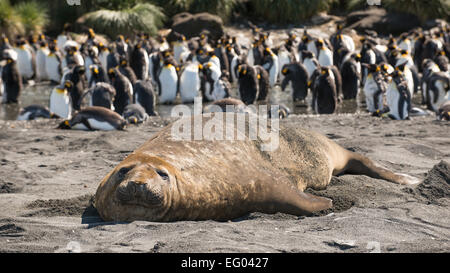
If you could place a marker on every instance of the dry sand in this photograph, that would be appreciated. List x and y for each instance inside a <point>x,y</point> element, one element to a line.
<point>48,178</point>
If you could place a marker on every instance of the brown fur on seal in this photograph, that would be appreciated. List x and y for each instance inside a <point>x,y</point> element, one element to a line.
<point>169,180</point>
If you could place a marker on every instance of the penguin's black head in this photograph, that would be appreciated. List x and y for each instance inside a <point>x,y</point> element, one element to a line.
<point>285,70</point>
<point>94,69</point>
<point>65,125</point>
<point>80,69</point>
<point>267,51</point>
<point>324,71</point>
<point>112,73</point>
<point>319,43</point>
<point>372,68</point>
<point>306,54</point>
<point>21,42</point>
<point>68,85</point>
<point>242,70</point>
<point>200,51</point>
<point>120,38</point>
<point>401,67</point>
<point>356,56</point>
<point>305,39</point>
<point>167,53</point>
<point>123,61</point>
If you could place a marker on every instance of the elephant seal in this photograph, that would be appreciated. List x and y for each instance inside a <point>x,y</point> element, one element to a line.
<point>167,179</point>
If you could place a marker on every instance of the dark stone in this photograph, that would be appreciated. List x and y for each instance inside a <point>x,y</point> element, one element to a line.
<point>381,21</point>
<point>191,25</point>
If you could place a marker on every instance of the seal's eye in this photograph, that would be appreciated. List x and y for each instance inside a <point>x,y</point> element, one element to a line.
<point>162,174</point>
<point>122,172</point>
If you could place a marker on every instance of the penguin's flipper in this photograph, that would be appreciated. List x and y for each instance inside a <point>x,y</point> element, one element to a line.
<point>85,122</point>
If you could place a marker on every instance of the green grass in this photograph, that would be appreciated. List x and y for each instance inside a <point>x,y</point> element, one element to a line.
<point>33,15</point>
<point>10,23</point>
<point>140,18</point>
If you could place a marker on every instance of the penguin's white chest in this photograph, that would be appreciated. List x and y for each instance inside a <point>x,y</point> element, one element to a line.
<point>178,50</point>
<point>60,104</point>
<point>88,63</point>
<point>41,71</point>
<point>52,68</point>
<point>283,59</point>
<point>189,83</point>
<point>233,67</point>
<point>103,57</point>
<point>168,79</point>
<point>370,89</point>
<point>325,57</point>
<point>440,86</point>
<point>310,66</point>
<point>393,99</point>
<point>215,61</point>
<point>348,42</point>
<point>95,124</point>
<point>24,62</point>
<point>61,41</point>
<point>250,57</point>
<point>219,91</point>
<point>274,71</point>
<point>146,66</point>
<point>311,46</point>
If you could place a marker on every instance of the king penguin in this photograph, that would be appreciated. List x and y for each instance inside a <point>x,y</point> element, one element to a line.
<point>248,83</point>
<point>134,114</point>
<point>26,59</point>
<point>61,101</point>
<point>145,96</point>
<point>351,78</point>
<point>270,64</point>
<point>53,63</point>
<point>310,62</point>
<point>297,74</point>
<point>398,98</point>
<point>437,88</point>
<point>374,88</point>
<point>211,74</point>
<point>168,83</point>
<point>190,82</point>
<point>32,112</point>
<point>41,56</point>
<point>325,55</point>
<point>101,94</point>
<point>94,118</point>
<point>324,99</point>
<point>11,78</point>
<point>124,90</point>
<point>139,61</point>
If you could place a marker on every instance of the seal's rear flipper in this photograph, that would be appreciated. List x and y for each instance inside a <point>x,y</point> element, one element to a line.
<point>359,164</point>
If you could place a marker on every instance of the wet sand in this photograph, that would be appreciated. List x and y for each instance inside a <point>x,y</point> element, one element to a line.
<point>48,178</point>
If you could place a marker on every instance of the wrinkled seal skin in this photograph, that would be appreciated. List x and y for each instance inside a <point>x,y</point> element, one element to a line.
<point>170,180</point>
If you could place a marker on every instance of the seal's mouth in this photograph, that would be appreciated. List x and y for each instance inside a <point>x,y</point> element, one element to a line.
<point>143,194</point>
<point>141,184</point>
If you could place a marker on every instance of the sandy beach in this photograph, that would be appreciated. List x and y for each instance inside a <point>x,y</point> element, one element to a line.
<point>48,178</point>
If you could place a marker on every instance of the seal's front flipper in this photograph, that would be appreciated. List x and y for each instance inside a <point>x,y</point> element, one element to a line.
<point>313,203</point>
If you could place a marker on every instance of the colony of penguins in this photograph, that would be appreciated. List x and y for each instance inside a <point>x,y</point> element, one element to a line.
<point>105,86</point>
